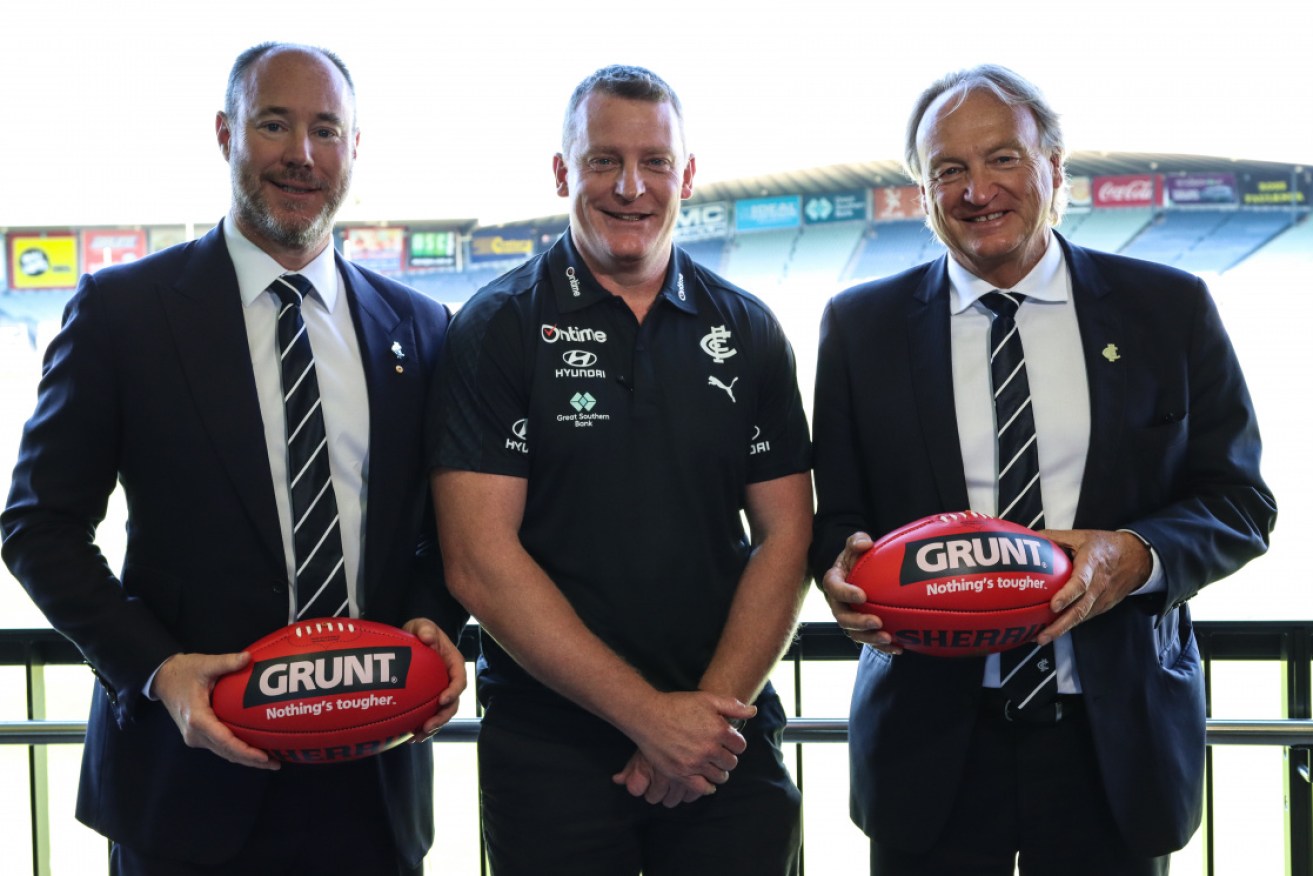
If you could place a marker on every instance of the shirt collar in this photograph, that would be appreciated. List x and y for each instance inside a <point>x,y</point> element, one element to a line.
<point>256,269</point>
<point>1045,282</point>
<point>575,286</point>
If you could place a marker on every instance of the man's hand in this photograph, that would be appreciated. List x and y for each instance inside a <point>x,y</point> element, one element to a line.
<point>686,749</point>
<point>449,700</point>
<point>842,596</point>
<point>183,683</point>
<point>1106,567</point>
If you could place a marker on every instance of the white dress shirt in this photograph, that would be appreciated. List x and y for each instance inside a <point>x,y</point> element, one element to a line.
<point>342,390</point>
<point>1055,368</point>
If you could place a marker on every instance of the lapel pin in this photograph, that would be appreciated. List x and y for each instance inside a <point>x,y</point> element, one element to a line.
<point>1110,353</point>
<point>397,351</point>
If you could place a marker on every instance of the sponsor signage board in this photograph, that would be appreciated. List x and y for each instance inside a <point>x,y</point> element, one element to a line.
<point>1133,190</point>
<point>768,214</point>
<point>702,221</point>
<point>894,203</point>
<point>43,261</point>
<point>432,249</point>
<point>501,244</point>
<point>1201,188</point>
<point>378,249</point>
<point>1079,193</point>
<point>834,207</point>
<point>1275,191</point>
<point>111,246</point>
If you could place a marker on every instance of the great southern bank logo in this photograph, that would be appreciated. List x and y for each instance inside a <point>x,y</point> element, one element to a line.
<point>584,415</point>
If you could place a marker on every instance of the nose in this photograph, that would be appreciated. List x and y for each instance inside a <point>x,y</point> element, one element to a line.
<point>980,186</point>
<point>629,183</point>
<point>298,149</point>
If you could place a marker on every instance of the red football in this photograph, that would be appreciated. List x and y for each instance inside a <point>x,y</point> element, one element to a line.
<point>963,584</point>
<point>330,690</point>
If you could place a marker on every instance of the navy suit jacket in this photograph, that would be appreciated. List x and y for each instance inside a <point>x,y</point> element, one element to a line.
<point>1173,454</point>
<point>150,383</point>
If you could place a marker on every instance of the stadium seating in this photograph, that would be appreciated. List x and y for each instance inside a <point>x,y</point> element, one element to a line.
<point>890,247</point>
<point>1106,230</point>
<point>758,259</point>
<point>1206,240</point>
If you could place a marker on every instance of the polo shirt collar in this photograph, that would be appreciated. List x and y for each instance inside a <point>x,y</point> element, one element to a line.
<point>575,287</point>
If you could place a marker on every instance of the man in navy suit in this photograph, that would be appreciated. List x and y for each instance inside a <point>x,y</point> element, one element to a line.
<point>1148,456</point>
<point>165,378</point>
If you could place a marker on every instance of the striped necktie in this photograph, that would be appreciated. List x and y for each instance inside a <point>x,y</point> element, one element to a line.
<point>1029,673</point>
<point>321,589</point>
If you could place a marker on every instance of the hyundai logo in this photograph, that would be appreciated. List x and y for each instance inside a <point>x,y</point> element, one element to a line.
<point>579,358</point>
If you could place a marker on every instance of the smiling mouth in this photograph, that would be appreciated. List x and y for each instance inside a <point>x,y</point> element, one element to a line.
<point>626,217</point>
<point>988,217</point>
<point>294,188</point>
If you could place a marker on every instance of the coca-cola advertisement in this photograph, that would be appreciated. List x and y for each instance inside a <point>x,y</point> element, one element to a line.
<point>1138,190</point>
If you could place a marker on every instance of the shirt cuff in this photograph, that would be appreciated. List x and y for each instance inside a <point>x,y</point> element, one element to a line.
<point>1157,582</point>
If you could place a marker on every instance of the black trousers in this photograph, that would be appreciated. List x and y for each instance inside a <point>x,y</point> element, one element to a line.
<point>550,807</point>
<point>315,821</point>
<point>1031,797</point>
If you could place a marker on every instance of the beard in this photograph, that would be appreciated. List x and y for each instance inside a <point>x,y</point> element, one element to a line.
<point>288,228</point>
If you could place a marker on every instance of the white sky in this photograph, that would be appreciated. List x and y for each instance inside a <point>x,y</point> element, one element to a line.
<point>108,108</point>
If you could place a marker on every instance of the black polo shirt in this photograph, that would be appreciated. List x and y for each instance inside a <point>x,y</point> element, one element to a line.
<point>637,442</point>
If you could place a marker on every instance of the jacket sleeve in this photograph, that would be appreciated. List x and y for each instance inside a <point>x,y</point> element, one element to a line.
<point>66,470</point>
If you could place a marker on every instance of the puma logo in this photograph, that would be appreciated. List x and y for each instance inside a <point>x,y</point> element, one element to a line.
<point>729,390</point>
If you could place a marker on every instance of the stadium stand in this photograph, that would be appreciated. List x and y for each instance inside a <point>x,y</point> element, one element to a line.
<point>822,251</point>
<point>890,247</point>
<point>1269,216</point>
<point>708,253</point>
<point>1206,240</point>
<point>758,259</point>
<point>1106,230</point>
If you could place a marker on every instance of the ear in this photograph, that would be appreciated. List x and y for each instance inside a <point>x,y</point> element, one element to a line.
<point>562,174</point>
<point>223,133</point>
<point>1056,160</point>
<point>925,199</point>
<point>355,144</point>
<point>690,168</point>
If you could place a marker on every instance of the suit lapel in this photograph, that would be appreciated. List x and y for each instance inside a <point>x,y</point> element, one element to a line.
<point>387,343</point>
<point>1103,340</point>
<point>930,352</point>
<point>204,311</point>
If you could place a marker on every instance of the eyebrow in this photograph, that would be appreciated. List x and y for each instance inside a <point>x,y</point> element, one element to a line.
<point>282,111</point>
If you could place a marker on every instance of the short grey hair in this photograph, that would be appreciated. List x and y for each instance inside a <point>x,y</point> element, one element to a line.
<point>620,80</point>
<point>244,62</point>
<point>1013,90</point>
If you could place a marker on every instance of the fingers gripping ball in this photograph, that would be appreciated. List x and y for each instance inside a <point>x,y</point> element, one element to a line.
<point>962,584</point>
<point>331,690</point>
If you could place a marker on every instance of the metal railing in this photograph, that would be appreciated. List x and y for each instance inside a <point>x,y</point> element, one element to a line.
<point>1289,643</point>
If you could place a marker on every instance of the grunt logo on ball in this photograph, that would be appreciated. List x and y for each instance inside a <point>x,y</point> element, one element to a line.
<point>308,675</point>
<point>969,554</point>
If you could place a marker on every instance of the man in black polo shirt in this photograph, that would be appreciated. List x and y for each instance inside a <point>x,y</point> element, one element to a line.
<point>607,412</point>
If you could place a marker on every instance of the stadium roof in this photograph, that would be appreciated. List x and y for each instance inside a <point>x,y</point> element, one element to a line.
<point>875,174</point>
